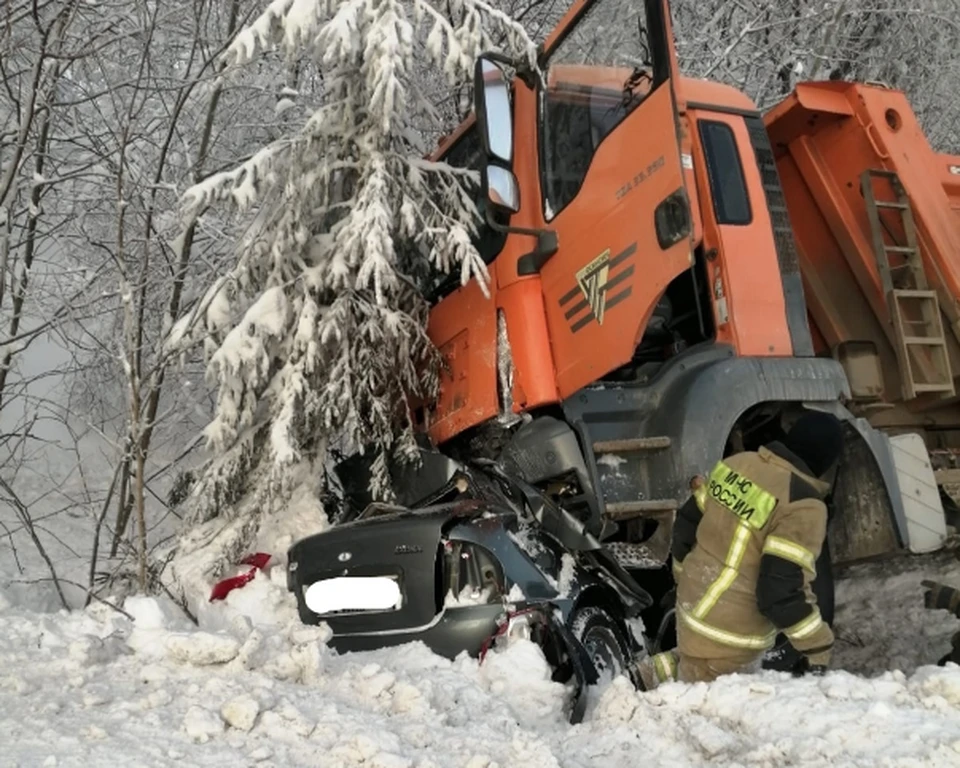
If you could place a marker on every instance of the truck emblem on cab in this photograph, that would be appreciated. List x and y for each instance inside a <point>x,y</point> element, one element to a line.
<point>598,287</point>
<point>344,556</point>
<point>592,280</point>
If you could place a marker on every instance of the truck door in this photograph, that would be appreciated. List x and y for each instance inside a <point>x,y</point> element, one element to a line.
<point>612,182</point>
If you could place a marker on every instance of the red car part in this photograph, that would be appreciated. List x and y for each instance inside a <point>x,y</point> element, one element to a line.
<point>224,587</point>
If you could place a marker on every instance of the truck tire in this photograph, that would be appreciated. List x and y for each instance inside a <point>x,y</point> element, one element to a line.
<point>606,650</point>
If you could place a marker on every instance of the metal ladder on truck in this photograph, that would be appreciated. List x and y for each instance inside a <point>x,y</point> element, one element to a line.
<point>916,326</point>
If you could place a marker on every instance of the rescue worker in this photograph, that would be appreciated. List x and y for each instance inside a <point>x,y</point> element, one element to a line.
<point>745,547</point>
<point>941,597</point>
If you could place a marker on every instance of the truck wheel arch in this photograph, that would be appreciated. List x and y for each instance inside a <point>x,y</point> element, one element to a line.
<point>698,400</point>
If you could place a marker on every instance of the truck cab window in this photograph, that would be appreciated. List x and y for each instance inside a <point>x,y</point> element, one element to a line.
<point>731,202</point>
<point>467,152</point>
<point>595,77</point>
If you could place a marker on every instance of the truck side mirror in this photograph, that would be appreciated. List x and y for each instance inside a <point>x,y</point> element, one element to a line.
<point>502,191</point>
<point>491,92</point>
<point>492,105</point>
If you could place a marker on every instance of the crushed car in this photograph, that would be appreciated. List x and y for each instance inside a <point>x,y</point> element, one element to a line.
<point>471,558</point>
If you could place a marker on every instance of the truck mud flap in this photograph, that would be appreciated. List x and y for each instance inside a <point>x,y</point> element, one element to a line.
<point>922,500</point>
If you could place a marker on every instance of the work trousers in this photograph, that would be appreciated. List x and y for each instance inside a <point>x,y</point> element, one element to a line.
<point>672,666</point>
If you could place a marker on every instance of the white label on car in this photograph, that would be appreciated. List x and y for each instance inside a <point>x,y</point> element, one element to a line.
<point>686,161</point>
<point>955,170</point>
<point>353,593</point>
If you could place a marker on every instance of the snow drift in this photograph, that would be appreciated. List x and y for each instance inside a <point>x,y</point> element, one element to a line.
<point>252,685</point>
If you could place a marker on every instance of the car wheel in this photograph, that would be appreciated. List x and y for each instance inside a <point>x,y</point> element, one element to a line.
<point>606,649</point>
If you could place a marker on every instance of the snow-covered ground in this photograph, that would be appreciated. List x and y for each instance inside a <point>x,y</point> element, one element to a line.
<point>881,621</point>
<point>252,686</point>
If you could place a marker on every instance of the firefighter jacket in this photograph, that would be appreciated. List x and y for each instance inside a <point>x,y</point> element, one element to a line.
<point>744,550</point>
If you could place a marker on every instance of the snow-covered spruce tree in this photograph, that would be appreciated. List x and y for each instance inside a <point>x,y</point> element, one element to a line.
<point>317,336</point>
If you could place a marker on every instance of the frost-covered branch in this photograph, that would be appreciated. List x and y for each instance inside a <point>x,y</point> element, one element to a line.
<point>317,337</point>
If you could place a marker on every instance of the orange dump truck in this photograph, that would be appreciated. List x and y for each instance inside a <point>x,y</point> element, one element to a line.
<point>675,276</point>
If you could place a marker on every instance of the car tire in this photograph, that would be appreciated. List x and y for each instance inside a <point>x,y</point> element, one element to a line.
<point>605,647</point>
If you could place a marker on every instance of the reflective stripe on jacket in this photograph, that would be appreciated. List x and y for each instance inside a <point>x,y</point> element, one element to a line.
<point>745,548</point>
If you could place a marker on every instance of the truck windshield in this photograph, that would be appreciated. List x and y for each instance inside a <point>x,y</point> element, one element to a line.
<point>596,76</point>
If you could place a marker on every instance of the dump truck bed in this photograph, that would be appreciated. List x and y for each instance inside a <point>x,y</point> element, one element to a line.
<point>880,266</point>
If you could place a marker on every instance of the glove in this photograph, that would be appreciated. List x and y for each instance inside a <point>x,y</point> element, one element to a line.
<point>940,597</point>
